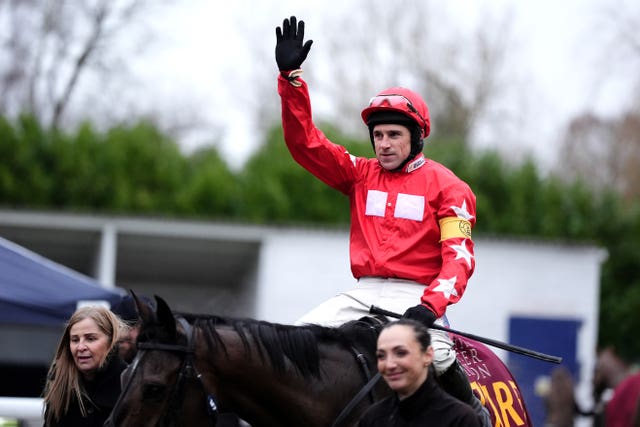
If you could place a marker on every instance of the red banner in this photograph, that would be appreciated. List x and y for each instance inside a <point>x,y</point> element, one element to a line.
<point>492,382</point>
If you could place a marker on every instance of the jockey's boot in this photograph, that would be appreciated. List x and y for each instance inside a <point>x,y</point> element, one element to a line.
<point>455,382</point>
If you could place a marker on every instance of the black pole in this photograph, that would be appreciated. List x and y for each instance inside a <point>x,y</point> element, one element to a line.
<point>499,344</point>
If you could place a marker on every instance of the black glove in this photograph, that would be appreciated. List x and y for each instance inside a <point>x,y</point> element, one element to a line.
<point>290,52</point>
<point>422,314</point>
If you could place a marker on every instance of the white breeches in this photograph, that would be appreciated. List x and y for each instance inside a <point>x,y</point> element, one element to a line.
<point>395,295</point>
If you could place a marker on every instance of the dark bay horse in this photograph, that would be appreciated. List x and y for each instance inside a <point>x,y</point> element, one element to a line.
<point>189,368</point>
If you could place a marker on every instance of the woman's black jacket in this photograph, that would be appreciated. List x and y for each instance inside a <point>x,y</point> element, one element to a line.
<point>103,392</point>
<point>429,406</point>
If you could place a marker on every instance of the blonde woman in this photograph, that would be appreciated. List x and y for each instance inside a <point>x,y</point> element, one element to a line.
<point>83,382</point>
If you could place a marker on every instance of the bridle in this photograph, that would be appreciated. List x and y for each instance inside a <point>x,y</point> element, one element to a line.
<point>187,370</point>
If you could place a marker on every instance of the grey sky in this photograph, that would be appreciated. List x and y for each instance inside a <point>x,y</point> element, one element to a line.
<point>556,63</point>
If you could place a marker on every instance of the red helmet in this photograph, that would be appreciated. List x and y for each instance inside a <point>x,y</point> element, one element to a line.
<point>403,101</point>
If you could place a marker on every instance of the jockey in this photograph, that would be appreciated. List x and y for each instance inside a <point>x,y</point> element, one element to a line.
<point>411,218</point>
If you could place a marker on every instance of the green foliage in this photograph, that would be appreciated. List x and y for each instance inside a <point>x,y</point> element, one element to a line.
<point>210,189</point>
<point>129,169</point>
<point>143,168</point>
<point>137,170</point>
<point>276,189</point>
<point>620,284</point>
<point>26,155</point>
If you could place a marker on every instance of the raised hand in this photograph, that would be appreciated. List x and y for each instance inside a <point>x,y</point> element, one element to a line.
<point>290,50</point>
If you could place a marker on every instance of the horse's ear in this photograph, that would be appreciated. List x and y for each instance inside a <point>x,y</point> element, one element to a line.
<point>165,316</point>
<point>144,310</point>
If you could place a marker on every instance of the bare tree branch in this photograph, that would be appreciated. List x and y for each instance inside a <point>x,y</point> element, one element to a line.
<point>101,13</point>
<point>605,151</point>
<point>381,46</point>
<point>51,46</point>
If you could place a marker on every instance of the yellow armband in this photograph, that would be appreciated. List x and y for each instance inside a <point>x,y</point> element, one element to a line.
<point>453,226</point>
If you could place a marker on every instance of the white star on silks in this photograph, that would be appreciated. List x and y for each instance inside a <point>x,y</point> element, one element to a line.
<point>447,287</point>
<point>462,212</point>
<point>463,252</point>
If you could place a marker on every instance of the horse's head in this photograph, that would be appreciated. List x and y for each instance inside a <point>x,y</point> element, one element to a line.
<point>266,373</point>
<point>158,385</point>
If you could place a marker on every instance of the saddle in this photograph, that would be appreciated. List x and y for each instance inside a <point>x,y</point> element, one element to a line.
<point>363,333</point>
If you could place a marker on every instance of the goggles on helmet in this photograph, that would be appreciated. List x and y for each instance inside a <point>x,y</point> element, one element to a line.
<point>397,101</point>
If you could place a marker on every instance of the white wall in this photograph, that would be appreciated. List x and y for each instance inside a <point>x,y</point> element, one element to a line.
<point>298,269</point>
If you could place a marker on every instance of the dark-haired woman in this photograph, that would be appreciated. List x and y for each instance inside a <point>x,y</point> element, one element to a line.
<point>404,356</point>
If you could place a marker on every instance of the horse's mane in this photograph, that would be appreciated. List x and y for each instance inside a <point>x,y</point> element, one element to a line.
<point>278,343</point>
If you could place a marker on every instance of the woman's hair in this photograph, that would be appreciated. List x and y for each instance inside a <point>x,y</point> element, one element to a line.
<point>63,379</point>
<point>420,331</point>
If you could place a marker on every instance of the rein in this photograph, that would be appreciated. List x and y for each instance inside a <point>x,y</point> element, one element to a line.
<point>356,400</point>
<point>370,381</point>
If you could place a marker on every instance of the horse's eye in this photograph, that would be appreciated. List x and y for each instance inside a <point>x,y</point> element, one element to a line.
<point>154,392</point>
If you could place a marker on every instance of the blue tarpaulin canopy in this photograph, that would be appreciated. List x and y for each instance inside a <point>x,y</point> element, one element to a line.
<point>37,291</point>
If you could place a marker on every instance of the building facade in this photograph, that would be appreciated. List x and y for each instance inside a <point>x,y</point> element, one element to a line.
<point>519,289</point>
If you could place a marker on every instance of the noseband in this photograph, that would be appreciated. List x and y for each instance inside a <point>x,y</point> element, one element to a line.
<point>187,370</point>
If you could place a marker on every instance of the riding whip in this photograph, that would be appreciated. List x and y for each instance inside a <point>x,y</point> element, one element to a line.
<point>499,344</point>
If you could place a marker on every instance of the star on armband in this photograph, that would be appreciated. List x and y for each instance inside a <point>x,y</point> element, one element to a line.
<point>292,77</point>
